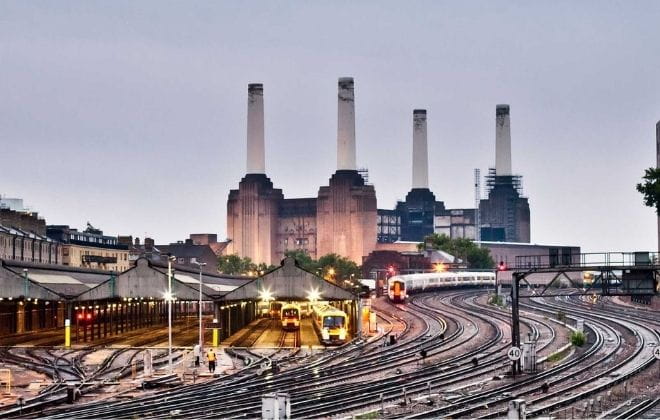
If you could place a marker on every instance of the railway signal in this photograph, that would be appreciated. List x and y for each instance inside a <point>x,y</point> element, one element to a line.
<point>501,266</point>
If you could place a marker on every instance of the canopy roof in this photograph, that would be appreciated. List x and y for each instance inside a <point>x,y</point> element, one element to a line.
<point>13,285</point>
<point>289,282</point>
<point>144,280</point>
<point>148,279</point>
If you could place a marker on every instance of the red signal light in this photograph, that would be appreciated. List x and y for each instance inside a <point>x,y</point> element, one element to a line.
<point>89,317</point>
<point>80,316</point>
<point>390,270</point>
<point>501,266</point>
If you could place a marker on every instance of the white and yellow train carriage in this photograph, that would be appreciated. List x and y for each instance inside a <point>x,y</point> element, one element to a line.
<point>448,279</point>
<point>290,316</point>
<point>330,324</point>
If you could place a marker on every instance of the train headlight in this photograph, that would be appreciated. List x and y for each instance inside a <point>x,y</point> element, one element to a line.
<point>342,334</point>
<point>325,334</point>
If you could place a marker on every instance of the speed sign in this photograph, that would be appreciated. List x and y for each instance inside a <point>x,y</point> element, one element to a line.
<point>656,353</point>
<point>514,353</point>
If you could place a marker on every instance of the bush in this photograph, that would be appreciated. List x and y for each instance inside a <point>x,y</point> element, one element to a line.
<point>578,338</point>
<point>496,300</point>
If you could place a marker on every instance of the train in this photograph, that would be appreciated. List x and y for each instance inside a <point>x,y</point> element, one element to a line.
<point>399,287</point>
<point>331,324</point>
<point>290,316</point>
<point>396,290</point>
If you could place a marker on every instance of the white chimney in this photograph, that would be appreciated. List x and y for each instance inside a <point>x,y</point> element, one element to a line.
<point>346,125</point>
<point>256,160</point>
<point>420,170</point>
<point>502,141</point>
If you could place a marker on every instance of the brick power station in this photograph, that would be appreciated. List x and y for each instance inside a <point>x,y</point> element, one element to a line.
<point>344,217</point>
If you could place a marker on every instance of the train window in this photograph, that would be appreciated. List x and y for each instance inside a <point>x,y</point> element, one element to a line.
<point>333,321</point>
<point>290,312</point>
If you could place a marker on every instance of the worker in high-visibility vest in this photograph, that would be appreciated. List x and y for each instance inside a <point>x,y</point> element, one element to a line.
<point>210,356</point>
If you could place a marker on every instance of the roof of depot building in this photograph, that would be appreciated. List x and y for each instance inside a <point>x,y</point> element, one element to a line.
<point>13,285</point>
<point>144,280</point>
<point>63,281</point>
<point>289,282</point>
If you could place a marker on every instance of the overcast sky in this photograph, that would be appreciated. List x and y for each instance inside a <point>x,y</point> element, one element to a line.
<point>132,115</point>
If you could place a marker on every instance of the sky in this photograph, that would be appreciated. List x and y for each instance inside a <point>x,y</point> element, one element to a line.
<point>132,115</point>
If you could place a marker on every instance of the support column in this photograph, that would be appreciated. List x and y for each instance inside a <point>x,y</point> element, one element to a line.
<point>61,314</point>
<point>20,317</point>
<point>515,318</point>
<point>97,321</point>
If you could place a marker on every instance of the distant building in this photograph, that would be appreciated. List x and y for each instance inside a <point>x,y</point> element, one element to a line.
<point>506,252</point>
<point>200,247</point>
<point>19,245</point>
<point>343,218</point>
<point>189,254</point>
<point>90,248</point>
<point>15,204</point>
<point>23,235</point>
<point>22,220</point>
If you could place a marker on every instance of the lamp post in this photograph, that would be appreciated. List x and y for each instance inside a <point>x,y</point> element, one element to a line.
<point>170,260</point>
<point>201,337</point>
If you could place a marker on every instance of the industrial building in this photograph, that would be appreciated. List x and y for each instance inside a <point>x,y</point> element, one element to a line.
<point>263,225</point>
<point>343,218</point>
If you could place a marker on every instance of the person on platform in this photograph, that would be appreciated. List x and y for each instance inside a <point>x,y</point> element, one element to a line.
<point>197,352</point>
<point>210,356</point>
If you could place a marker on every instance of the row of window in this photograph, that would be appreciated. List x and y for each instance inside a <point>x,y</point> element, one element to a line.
<point>92,239</point>
<point>389,230</point>
<point>388,220</point>
<point>298,241</point>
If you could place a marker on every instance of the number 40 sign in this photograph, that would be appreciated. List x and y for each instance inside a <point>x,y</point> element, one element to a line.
<point>514,353</point>
<point>656,353</point>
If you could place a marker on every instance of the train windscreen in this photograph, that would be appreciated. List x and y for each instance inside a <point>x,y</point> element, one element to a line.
<point>290,312</point>
<point>333,322</point>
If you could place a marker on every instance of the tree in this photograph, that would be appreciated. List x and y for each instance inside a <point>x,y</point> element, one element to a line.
<point>234,264</point>
<point>330,266</point>
<point>462,248</point>
<point>304,260</point>
<point>651,188</point>
<point>338,268</point>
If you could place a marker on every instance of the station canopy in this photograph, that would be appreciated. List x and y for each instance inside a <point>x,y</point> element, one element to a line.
<point>289,282</point>
<point>14,284</point>
<point>148,280</point>
<point>144,280</point>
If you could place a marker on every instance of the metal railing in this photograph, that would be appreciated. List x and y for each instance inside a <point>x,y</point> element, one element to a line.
<point>588,260</point>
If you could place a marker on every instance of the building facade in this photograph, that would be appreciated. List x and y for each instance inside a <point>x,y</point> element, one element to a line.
<point>19,245</point>
<point>90,248</point>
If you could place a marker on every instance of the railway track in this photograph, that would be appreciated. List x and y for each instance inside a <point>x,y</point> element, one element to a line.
<point>340,382</point>
<point>289,339</point>
<point>560,379</point>
<point>305,384</point>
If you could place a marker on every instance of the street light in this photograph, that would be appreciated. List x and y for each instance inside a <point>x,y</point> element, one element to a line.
<point>170,260</point>
<point>201,337</point>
